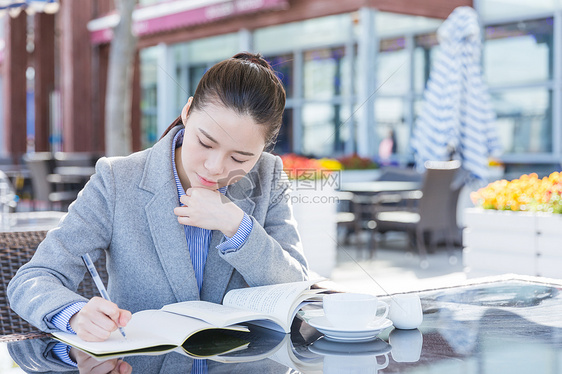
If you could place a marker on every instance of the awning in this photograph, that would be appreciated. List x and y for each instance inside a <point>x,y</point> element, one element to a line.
<point>14,7</point>
<point>177,14</point>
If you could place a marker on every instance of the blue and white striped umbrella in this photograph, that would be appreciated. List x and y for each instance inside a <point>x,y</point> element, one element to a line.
<point>457,111</point>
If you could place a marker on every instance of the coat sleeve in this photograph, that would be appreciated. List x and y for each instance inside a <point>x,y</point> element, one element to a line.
<point>37,356</point>
<point>47,284</point>
<point>273,251</point>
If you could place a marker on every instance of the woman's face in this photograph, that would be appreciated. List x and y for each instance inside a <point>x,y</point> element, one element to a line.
<point>219,147</point>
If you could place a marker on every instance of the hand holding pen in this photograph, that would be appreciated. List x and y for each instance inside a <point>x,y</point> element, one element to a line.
<point>99,317</point>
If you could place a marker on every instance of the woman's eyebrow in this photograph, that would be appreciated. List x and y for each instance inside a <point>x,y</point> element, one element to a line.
<point>216,142</point>
<point>208,136</point>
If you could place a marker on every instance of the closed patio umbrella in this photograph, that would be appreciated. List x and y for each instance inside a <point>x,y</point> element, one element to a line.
<point>457,119</point>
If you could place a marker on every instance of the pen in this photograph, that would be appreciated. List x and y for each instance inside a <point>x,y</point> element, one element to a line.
<point>97,280</point>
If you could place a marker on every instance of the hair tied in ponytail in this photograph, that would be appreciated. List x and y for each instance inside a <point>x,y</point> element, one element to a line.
<point>255,58</point>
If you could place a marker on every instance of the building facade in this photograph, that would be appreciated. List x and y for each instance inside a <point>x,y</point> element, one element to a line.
<point>354,70</point>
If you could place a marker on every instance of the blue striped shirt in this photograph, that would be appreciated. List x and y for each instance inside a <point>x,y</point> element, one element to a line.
<point>198,242</point>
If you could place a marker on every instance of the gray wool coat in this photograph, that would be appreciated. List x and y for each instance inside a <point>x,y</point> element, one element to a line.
<point>126,209</point>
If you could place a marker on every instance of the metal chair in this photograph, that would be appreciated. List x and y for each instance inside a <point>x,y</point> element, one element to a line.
<point>47,187</point>
<point>430,210</point>
<point>8,199</point>
<point>16,249</point>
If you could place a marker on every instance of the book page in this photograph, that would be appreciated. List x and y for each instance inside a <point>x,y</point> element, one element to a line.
<point>276,300</point>
<point>215,314</point>
<point>147,329</point>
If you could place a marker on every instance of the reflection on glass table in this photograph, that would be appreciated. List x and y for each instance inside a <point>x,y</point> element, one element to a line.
<point>492,325</point>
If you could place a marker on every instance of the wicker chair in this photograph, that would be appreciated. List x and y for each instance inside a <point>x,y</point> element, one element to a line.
<point>16,249</point>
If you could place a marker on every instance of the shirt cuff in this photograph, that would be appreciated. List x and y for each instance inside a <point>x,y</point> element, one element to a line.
<point>62,352</point>
<point>62,318</point>
<point>235,242</point>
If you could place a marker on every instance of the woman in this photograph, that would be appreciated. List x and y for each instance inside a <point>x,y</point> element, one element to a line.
<point>203,211</point>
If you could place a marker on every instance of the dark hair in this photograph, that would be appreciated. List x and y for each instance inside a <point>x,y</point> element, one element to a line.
<point>247,84</point>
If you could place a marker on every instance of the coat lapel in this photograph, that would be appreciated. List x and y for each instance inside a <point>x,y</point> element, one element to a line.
<point>167,233</point>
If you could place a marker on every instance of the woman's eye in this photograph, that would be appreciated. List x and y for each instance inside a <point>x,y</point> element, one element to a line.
<point>238,161</point>
<point>204,145</point>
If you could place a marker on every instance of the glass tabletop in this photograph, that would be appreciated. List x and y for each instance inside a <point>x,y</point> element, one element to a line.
<point>503,325</point>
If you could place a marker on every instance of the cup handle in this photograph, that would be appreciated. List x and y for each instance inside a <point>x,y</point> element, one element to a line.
<point>386,309</point>
<point>385,364</point>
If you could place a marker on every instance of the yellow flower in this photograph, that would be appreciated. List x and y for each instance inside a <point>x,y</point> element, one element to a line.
<point>526,193</point>
<point>330,164</point>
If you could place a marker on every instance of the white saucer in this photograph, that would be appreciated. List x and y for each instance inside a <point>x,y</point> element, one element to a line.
<point>370,331</point>
<point>327,347</point>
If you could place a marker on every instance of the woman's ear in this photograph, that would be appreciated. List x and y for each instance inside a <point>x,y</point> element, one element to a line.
<point>185,110</point>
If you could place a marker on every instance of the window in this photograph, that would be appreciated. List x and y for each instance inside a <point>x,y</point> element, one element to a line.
<point>518,67</point>
<point>524,120</point>
<point>283,67</point>
<point>519,52</point>
<point>424,51</point>
<point>320,128</point>
<point>149,124</point>
<point>393,72</point>
<point>322,116</point>
<point>493,9</point>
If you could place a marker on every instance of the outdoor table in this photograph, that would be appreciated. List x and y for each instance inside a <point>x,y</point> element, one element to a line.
<point>508,324</point>
<point>77,171</point>
<point>375,187</point>
<point>29,221</point>
<point>364,198</point>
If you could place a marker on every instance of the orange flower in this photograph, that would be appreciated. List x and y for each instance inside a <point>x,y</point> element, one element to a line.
<point>526,193</point>
<point>299,167</point>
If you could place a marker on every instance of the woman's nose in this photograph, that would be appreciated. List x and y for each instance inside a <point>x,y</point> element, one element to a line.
<point>214,164</point>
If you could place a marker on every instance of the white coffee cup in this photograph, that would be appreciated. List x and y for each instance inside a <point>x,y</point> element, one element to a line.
<point>353,310</point>
<point>352,356</point>
<point>406,345</point>
<point>366,364</point>
<point>406,311</point>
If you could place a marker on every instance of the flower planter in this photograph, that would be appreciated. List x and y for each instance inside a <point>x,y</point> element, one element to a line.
<point>314,208</point>
<point>498,242</point>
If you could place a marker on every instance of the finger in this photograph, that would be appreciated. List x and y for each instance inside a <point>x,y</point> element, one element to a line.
<point>105,367</point>
<point>124,317</point>
<point>125,368</point>
<point>107,316</point>
<point>88,330</point>
<point>77,355</point>
<point>181,211</point>
<point>100,317</point>
<point>85,363</point>
<point>185,221</point>
<point>184,199</point>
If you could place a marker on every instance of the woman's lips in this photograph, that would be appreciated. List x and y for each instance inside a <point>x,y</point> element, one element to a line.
<point>206,182</point>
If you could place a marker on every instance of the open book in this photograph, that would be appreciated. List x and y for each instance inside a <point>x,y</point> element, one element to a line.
<point>176,325</point>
